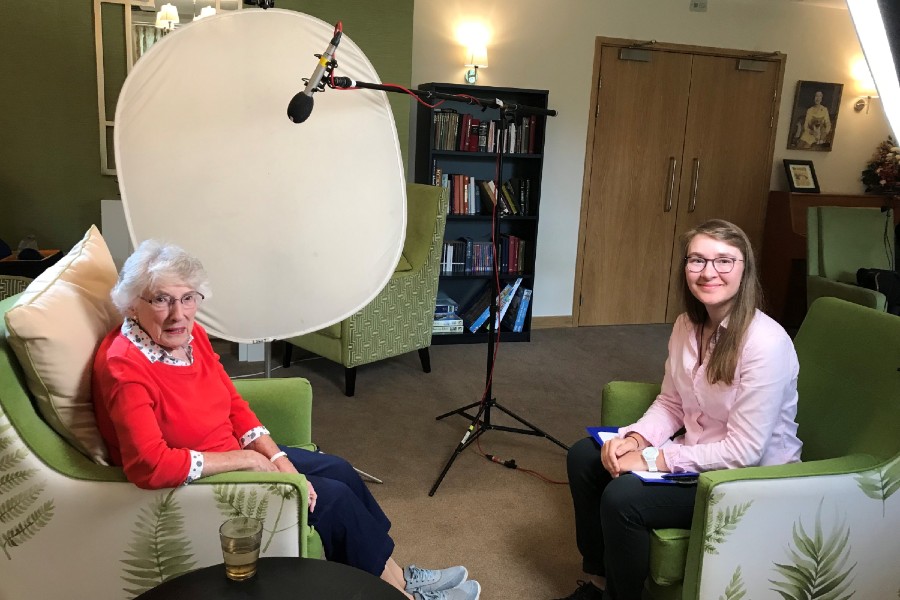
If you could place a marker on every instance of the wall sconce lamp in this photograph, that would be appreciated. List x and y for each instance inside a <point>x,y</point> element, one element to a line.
<point>476,57</point>
<point>167,17</point>
<point>863,102</point>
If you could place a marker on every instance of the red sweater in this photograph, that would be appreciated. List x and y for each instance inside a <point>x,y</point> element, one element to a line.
<point>152,415</point>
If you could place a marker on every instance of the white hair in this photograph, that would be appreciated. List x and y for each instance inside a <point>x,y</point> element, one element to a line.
<point>156,263</point>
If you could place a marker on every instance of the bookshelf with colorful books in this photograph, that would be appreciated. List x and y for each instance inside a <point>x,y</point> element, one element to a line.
<point>456,147</point>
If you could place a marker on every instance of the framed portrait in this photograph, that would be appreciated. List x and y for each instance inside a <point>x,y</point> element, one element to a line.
<point>815,114</point>
<point>801,176</point>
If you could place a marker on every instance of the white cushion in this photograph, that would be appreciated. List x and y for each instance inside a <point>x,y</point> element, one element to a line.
<point>55,329</point>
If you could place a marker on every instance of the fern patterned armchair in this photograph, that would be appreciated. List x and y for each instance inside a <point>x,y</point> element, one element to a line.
<point>823,528</point>
<point>70,528</point>
<point>400,317</point>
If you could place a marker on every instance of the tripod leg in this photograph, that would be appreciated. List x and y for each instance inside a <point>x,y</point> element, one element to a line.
<point>530,426</point>
<point>471,435</point>
<point>458,411</point>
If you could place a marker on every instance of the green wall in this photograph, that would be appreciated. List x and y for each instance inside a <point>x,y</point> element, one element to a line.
<point>50,181</point>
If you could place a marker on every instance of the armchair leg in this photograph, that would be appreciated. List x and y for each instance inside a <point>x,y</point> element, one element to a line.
<point>349,381</point>
<point>286,357</point>
<point>425,358</point>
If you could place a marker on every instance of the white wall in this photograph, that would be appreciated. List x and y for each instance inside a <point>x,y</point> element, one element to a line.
<point>548,44</point>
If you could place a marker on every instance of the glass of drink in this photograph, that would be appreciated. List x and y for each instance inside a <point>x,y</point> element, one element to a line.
<point>240,538</point>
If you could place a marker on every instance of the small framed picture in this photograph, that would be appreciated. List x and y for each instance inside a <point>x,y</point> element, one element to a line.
<point>815,114</point>
<point>801,176</point>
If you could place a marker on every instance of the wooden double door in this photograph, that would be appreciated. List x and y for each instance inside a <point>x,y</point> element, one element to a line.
<point>680,135</point>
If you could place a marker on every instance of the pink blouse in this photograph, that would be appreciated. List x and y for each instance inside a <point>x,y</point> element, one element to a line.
<point>748,423</point>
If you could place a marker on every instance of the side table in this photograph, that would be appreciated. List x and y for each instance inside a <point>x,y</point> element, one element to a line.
<point>29,268</point>
<point>277,578</point>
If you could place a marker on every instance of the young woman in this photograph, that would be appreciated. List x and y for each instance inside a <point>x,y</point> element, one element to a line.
<point>730,382</point>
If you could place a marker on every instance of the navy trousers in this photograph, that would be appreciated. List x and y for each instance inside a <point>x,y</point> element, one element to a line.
<point>613,519</point>
<point>353,528</point>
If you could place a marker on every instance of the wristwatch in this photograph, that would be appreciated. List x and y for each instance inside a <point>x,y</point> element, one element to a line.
<point>650,453</point>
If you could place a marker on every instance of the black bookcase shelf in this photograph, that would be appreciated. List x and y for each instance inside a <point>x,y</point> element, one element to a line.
<point>481,166</point>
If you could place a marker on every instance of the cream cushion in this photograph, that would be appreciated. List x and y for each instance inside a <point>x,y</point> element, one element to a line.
<point>55,329</point>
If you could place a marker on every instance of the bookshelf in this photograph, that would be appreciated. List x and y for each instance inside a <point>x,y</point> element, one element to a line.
<point>466,161</point>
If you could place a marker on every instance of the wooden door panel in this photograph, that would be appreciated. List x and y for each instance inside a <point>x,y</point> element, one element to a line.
<point>727,144</point>
<point>628,230</point>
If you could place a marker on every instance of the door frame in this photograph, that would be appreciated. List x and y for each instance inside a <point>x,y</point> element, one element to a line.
<point>594,107</point>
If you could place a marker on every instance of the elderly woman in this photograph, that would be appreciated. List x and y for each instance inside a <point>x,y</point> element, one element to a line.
<point>170,415</point>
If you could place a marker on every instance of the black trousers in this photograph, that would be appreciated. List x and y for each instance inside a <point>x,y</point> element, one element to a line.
<point>613,519</point>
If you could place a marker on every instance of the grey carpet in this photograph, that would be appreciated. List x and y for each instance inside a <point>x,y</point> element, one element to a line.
<point>513,531</point>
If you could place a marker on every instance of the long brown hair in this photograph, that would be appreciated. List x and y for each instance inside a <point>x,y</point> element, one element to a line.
<point>723,359</point>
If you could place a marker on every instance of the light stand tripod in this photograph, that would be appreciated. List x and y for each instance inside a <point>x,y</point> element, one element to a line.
<point>481,421</point>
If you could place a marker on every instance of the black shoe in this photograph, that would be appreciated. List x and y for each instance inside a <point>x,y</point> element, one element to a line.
<point>586,591</point>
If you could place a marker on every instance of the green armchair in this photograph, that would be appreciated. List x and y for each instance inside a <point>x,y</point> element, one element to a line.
<point>841,240</point>
<point>70,528</point>
<point>829,523</point>
<point>12,284</point>
<point>400,317</point>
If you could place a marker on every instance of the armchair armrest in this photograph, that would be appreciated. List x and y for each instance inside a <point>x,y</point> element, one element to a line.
<point>283,405</point>
<point>764,508</point>
<point>817,287</point>
<point>624,402</point>
<point>292,487</point>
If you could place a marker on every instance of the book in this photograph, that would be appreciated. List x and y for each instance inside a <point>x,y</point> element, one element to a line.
<point>500,198</point>
<point>522,310</point>
<point>472,140</point>
<point>476,306</point>
<point>462,141</point>
<point>478,319</point>
<point>514,320</point>
<point>445,305</point>
<point>505,301</point>
<point>451,329</point>
<point>531,128</point>
<point>447,323</point>
<point>468,245</point>
<point>509,193</point>
<point>483,136</point>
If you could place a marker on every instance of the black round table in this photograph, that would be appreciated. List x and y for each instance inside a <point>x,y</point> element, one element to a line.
<point>278,578</point>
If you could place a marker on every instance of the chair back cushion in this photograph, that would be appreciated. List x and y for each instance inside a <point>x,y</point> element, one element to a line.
<point>843,239</point>
<point>849,383</point>
<point>54,330</point>
<point>421,214</point>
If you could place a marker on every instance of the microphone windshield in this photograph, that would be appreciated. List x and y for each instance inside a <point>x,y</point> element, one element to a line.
<point>300,107</point>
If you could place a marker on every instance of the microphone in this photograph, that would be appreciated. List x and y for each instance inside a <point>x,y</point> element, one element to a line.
<point>301,105</point>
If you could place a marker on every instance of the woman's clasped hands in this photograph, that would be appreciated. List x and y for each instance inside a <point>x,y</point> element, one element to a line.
<point>622,455</point>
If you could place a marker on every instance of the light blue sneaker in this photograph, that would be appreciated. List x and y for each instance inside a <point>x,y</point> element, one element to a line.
<point>433,580</point>
<point>467,590</point>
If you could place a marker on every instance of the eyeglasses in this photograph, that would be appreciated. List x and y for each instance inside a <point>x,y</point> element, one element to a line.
<point>722,264</point>
<point>165,302</point>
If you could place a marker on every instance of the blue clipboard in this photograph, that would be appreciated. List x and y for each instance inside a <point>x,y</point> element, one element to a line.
<point>601,434</point>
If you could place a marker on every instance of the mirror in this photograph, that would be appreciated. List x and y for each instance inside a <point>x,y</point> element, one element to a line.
<point>124,31</point>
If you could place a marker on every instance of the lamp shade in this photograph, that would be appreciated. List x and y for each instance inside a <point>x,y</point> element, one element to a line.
<point>167,16</point>
<point>206,11</point>
<point>477,57</point>
<point>299,225</point>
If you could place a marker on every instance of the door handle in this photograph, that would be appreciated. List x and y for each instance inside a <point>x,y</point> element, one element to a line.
<point>695,183</point>
<point>672,164</point>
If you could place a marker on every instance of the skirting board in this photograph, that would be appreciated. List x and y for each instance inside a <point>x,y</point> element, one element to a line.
<point>551,322</point>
